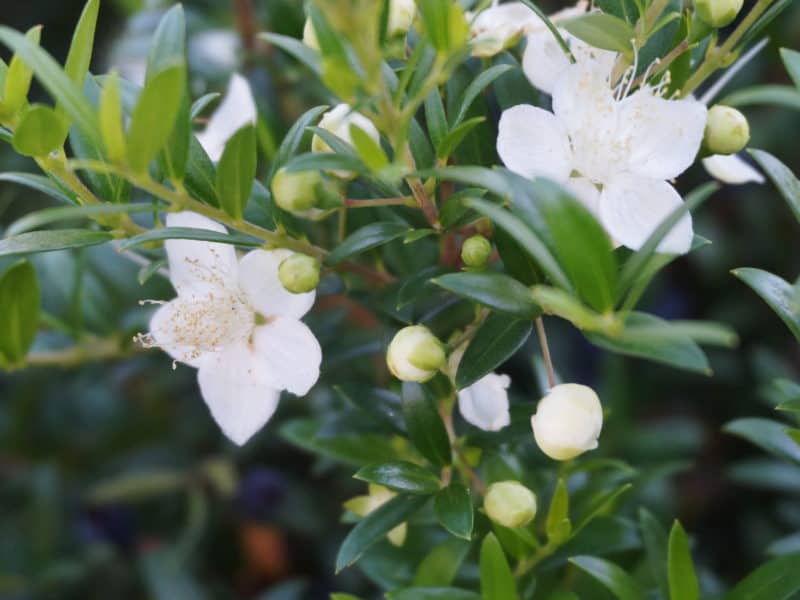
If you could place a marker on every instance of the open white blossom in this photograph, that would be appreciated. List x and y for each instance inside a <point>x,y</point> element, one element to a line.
<point>614,149</point>
<point>731,169</point>
<point>236,324</point>
<point>236,110</point>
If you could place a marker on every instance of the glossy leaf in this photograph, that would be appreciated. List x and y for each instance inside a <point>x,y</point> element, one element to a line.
<point>493,290</point>
<point>682,578</point>
<point>496,341</point>
<point>366,238</point>
<point>441,565</point>
<point>615,579</point>
<point>40,218</point>
<point>602,31</point>
<point>777,293</point>
<point>20,300</point>
<point>48,241</point>
<point>497,580</point>
<point>39,132</point>
<point>476,87</point>
<point>401,476</point>
<point>782,177</point>
<point>236,171</point>
<point>424,425</point>
<point>453,508</point>
<point>189,233</point>
<point>768,435</point>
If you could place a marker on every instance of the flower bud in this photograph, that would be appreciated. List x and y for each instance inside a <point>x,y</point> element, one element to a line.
<point>401,15</point>
<point>568,421</point>
<point>296,191</point>
<point>338,121</point>
<point>727,130</point>
<point>476,251</point>
<point>717,13</point>
<point>510,504</point>
<point>415,354</point>
<point>484,404</point>
<point>299,273</point>
<point>310,36</point>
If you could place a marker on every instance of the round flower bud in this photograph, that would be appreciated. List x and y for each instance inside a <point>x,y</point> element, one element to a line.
<point>476,251</point>
<point>299,273</point>
<point>727,130</point>
<point>510,504</point>
<point>568,421</point>
<point>717,13</point>
<point>415,354</point>
<point>296,191</point>
<point>401,15</point>
<point>310,36</point>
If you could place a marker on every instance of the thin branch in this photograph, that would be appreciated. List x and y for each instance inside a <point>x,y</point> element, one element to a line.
<point>551,375</point>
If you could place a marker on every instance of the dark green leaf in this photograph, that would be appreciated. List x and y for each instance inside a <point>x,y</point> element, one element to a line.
<point>366,238</point>
<point>48,241</point>
<point>480,83</point>
<point>236,171</point>
<point>401,476</point>
<point>778,579</point>
<point>494,290</point>
<point>791,60</point>
<point>424,425</point>
<point>777,293</point>
<point>35,220</point>
<point>782,177</point>
<point>189,233</point>
<point>347,447</point>
<point>294,137</point>
<point>496,578</point>
<point>39,183</point>
<point>435,117</point>
<point>602,31</point>
<point>453,139</point>
<point>558,525</point>
<point>296,48</point>
<point>432,593</point>
<point>655,544</point>
<point>617,581</point>
<point>768,435</point>
<point>496,341</point>
<point>453,508</point>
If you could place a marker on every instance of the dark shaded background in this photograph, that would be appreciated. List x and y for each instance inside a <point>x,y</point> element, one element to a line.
<point>262,521</point>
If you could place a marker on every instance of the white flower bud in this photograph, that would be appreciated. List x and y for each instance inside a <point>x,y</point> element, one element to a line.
<point>727,130</point>
<point>568,421</point>
<point>401,15</point>
<point>510,504</point>
<point>415,354</point>
<point>338,121</point>
<point>310,36</point>
<point>296,191</point>
<point>717,13</point>
<point>484,404</point>
<point>299,273</point>
<point>476,251</point>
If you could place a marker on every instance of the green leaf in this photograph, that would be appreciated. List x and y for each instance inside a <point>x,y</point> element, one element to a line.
<point>48,241</point>
<point>496,341</point>
<point>494,290</point>
<point>375,526</point>
<point>294,138</point>
<point>481,177</point>
<point>167,48</point>
<point>444,24</point>
<point>435,117</point>
<point>38,219</point>
<point>202,103</point>
<point>40,183</point>
<point>296,48</point>
<point>366,238</point>
<point>682,578</point>
<point>19,75</point>
<point>432,593</point>
<point>783,96</point>
<point>236,171</point>
<point>327,161</point>
<point>496,578</point>
<point>368,149</point>
<point>777,293</point>
<point>778,579</point>
<point>453,508</point>
<point>154,116</point>
<point>80,50</point>
<point>440,566</point>
<point>20,300</point>
<point>424,425</point>
<point>791,60</point>
<point>111,119</point>
<point>189,233</point>
<point>617,581</point>
<point>401,476</point>
<point>39,132</point>
<point>475,88</point>
<point>655,542</point>
<point>558,525</point>
<point>454,138</point>
<point>782,177</point>
<point>602,31</point>
<point>347,447</point>
<point>768,435</point>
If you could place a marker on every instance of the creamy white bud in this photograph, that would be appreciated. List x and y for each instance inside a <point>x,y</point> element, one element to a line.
<point>510,504</point>
<point>338,121</point>
<point>401,15</point>
<point>295,191</point>
<point>415,354</point>
<point>484,404</point>
<point>727,130</point>
<point>310,36</point>
<point>718,13</point>
<point>568,421</point>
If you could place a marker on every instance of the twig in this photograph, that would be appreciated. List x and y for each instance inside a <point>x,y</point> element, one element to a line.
<point>551,375</point>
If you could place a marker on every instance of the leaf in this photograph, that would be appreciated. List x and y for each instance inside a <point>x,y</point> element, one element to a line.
<point>496,578</point>
<point>444,24</point>
<point>40,183</point>
<point>327,161</point>
<point>453,508</point>
<point>39,132</point>
<point>111,119</point>
<point>20,301</point>
<point>18,77</point>
<point>440,566</point>
<point>558,525</point>
<point>784,96</point>
<point>768,435</point>
<point>435,117</point>
<point>480,83</point>
<point>424,425</point>
<point>154,116</point>
<point>602,31</point>
<point>366,238</point>
<point>296,48</point>
<point>432,593</point>
<point>48,241</point>
<point>655,542</point>
<point>453,139</point>
<point>401,476</point>
<point>682,578</point>
<point>39,218</point>
<point>777,293</point>
<point>236,171</point>
<point>189,233</point>
<point>291,142</point>
<point>348,447</point>
<point>617,581</point>
<point>375,526</point>
<point>778,579</point>
<point>496,341</point>
<point>791,60</point>
<point>481,177</point>
<point>782,177</point>
<point>167,48</point>
<point>80,50</point>
<point>494,290</point>
<point>368,149</point>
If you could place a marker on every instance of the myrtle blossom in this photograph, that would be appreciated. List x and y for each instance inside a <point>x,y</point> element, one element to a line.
<point>237,109</point>
<point>614,149</point>
<point>731,169</point>
<point>235,323</point>
<point>483,404</point>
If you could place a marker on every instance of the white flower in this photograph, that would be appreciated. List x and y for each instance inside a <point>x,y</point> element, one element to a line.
<point>614,151</point>
<point>338,121</point>
<point>568,421</point>
<point>731,169</point>
<point>484,404</point>
<point>234,321</point>
<point>236,110</point>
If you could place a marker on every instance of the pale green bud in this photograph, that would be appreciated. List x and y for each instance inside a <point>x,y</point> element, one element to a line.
<point>296,191</point>
<point>310,36</point>
<point>299,273</point>
<point>510,504</point>
<point>568,421</point>
<point>476,251</point>
<point>717,13</point>
<point>415,354</point>
<point>727,130</point>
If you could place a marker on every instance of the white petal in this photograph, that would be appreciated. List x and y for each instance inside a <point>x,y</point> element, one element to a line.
<point>258,279</point>
<point>485,403</point>
<point>543,61</point>
<point>662,136</point>
<point>291,353</point>
<point>632,207</point>
<point>499,26</point>
<point>532,143</point>
<point>237,391</point>
<point>731,169</point>
<point>194,264</point>
<point>587,192</point>
<point>236,110</point>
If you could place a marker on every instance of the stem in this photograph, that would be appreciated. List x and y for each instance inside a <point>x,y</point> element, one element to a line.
<point>372,202</point>
<point>94,349</point>
<point>524,566</point>
<point>246,22</point>
<point>717,57</point>
<point>551,375</point>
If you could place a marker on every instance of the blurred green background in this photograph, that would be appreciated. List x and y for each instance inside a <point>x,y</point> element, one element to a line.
<point>115,483</point>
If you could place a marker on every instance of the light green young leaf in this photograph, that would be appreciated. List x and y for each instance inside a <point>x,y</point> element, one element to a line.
<point>19,76</point>
<point>39,132</point>
<point>20,300</point>
<point>111,119</point>
<point>497,580</point>
<point>682,578</point>
<point>80,50</point>
<point>440,566</point>
<point>368,149</point>
<point>558,525</point>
